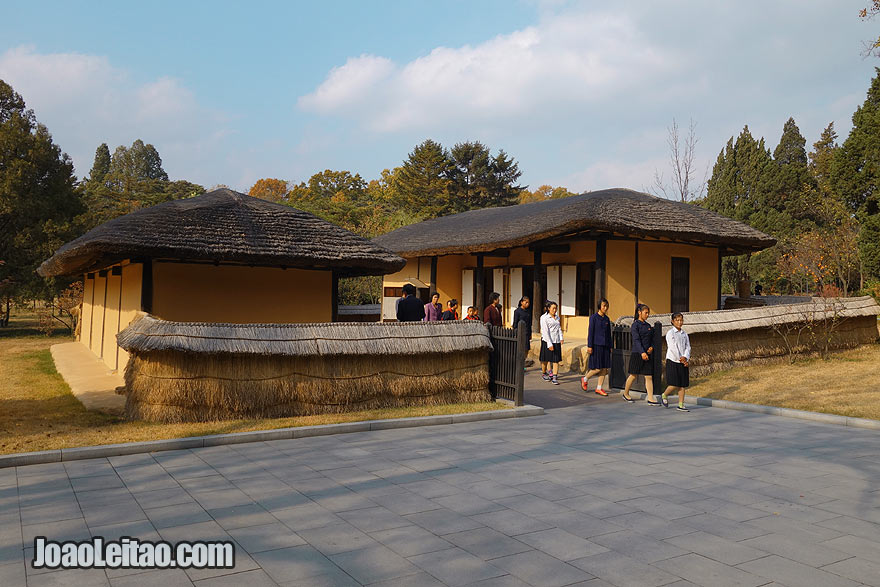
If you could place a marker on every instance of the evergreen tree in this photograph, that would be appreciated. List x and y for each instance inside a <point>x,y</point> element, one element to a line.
<point>482,181</point>
<point>423,184</point>
<point>37,197</point>
<point>855,171</point>
<point>101,166</point>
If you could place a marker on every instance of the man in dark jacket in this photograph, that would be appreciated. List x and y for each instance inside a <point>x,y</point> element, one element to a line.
<point>410,308</point>
<point>492,315</point>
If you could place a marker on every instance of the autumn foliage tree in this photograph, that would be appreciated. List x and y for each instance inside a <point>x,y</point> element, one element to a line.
<point>271,189</point>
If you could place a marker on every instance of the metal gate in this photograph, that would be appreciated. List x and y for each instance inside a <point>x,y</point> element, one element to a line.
<point>622,337</point>
<point>507,362</point>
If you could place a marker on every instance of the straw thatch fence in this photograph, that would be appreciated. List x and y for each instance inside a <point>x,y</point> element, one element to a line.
<point>725,338</point>
<point>184,371</point>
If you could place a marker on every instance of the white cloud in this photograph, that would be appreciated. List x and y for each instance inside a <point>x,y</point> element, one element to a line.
<point>84,101</point>
<point>563,65</point>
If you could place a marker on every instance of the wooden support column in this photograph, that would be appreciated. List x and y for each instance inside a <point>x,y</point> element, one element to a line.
<point>434,273</point>
<point>537,294</point>
<point>480,296</point>
<point>720,256</point>
<point>599,271</point>
<point>334,293</point>
<point>636,288</point>
<point>147,286</point>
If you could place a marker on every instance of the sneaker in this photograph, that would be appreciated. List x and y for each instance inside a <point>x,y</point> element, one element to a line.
<point>601,392</point>
<point>554,381</point>
<point>665,401</point>
<point>650,403</point>
<point>626,398</point>
<point>683,409</point>
<point>584,383</point>
<point>545,377</point>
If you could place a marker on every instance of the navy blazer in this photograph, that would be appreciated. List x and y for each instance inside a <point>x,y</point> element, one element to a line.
<point>642,335</point>
<point>599,333</point>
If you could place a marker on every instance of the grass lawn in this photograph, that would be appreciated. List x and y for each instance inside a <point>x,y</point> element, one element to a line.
<point>847,384</point>
<point>38,412</point>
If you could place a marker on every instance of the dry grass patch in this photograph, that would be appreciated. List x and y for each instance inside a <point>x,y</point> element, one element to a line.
<point>847,384</point>
<point>38,412</point>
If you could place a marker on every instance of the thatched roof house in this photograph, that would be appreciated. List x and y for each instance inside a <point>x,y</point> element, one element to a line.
<point>183,371</point>
<point>619,244</point>
<point>219,257</point>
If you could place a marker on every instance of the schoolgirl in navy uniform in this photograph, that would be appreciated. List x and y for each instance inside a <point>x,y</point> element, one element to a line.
<point>598,347</point>
<point>640,363</point>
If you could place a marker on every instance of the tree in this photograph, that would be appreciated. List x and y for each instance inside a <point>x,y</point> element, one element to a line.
<point>37,197</point>
<point>793,186</point>
<point>273,190</point>
<point>544,192</point>
<point>337,196</point>
<point>829,205</point>
<point>423,184</point>
<point>873,8</point>
<point>101,166</point>
<point>855,171</point>
<point>480,180</point>
<point>682,153</point>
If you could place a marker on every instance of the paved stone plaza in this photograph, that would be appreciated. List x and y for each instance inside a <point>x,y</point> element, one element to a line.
<point>600,494</point>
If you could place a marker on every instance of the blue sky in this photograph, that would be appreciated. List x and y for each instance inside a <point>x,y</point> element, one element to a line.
<point>580,93</point>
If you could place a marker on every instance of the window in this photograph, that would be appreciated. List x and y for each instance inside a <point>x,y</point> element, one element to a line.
<point>681,284</point>
<point>393,292</point>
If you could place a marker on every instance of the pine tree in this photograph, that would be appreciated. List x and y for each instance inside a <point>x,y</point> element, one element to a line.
<point>101,166</point>
<point>423,184</point>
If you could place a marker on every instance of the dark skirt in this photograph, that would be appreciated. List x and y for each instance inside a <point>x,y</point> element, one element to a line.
<point>639,367</point>
<point>548,356</point>
<point>676,374</point>
<point>600,358</point>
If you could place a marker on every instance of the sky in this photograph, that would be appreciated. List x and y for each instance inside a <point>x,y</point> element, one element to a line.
<point>581,94</point>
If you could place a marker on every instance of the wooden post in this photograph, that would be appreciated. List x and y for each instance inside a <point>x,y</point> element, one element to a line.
<point>434,273</point>
<point>520,363</point>
<point>480,300</point>
<point>720,255</point>
<point>146,287</point>
<point>334,312</point>
<point>537,294</point>
<point>637,276</point>
<point>658,357</point>
<point>599,272</point>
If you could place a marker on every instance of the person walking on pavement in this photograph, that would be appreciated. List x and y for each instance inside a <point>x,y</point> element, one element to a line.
<point>598,347</point>
<point>551,344</point>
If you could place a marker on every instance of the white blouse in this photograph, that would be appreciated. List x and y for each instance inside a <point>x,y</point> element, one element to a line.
<point>677,345</point>
<point>551,330</point>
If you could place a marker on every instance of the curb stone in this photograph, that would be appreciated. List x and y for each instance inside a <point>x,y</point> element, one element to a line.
<point>775,411</point>
<point>128,448</point>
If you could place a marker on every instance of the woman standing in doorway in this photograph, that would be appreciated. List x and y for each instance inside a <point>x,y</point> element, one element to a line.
<point>551,343</point>
<point>640,363</point>
<point>598,347</point>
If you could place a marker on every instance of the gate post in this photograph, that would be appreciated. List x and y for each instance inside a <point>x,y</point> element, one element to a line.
<point>658,357</point>
<point>521,342</point>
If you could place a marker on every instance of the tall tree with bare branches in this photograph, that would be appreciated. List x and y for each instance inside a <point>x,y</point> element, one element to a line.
<point>682,153</point>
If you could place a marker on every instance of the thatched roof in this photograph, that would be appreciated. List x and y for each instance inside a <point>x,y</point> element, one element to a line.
<point>618,211</point>
<point>147,333</point>
<point>767,316</point>
<point>224,226</point>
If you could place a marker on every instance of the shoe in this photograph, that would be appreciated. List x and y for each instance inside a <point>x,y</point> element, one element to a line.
<point>683,409</point>
<point>601,392</point>
<point>626,398</point>
<point>665,401</point>
<point>653,403</point>
<point>584,383</point>
<point>545,377</point>
<point>554,380</point>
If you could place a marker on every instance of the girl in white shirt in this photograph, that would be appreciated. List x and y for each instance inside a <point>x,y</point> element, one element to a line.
<point>678,356</point>
<point>551,343</point>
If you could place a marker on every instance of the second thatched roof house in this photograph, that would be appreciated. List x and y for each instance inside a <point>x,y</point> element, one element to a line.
<point>220,257</point>
<point>619,244</point>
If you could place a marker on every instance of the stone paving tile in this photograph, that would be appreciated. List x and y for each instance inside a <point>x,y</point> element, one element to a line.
<point>652,526</point>
<point>788,572</point>
<point>723,527</point>
<point>549,490</point>
<point>177,515</point>
<point>406,503</point>
<point>374,519</point>
<point>796,549</point>
<point>860,547</point>
<point>410,540</point>
<point>795,528</point>
<point>532,505</point>
<point>561,544</point>
<point>374,563</point>
<point>703,571</point>
<point>857,569</point>
<point>468,504</point>
<point>596,506</point>
<point>511,522</point>
<point>455,566</point>
<point>581,524</point>
<point>241,516</point>
<point>540,569</point>
<point>78,577</point>
<point>288,565</point>
<point>161,578</point>
<point>255,578</point>
<point>163,497</point>
<point>487,543</point>
<point>337,538</point>
<point>716,548</point>
<point>854,526</point>
<point>619,569</point>
<point>443,521</point>
<point>306,516</point>
<point>266,537</point>
<point>12,575</point>
<point>638,546</point>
